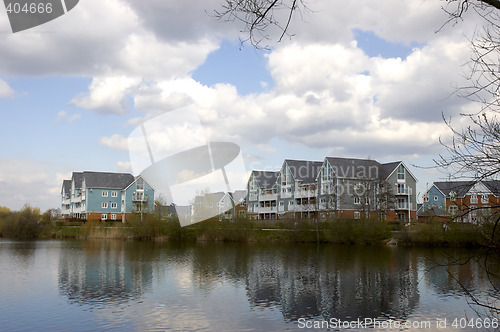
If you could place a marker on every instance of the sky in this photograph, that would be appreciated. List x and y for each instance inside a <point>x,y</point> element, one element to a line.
<point>361,79</point>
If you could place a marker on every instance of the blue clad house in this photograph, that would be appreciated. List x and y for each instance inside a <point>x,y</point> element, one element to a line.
<point>105,196</point>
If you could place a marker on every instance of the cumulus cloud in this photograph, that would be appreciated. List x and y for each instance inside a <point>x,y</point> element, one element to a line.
<point>108,94</point>
<point>102,38</point>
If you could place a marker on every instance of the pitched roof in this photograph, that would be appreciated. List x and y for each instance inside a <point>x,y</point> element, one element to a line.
<point>66,187</point>
<point>459,187</point>
<point>238,196</point>
<point>353,168</point>
<point>304,170</point>
<point>493,186</point>
<point>387,168</point>
<point>265,179</point>
<point>107,180</point>
<point>77,177</point>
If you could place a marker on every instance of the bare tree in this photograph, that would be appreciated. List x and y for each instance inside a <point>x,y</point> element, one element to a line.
<point>261,18</point>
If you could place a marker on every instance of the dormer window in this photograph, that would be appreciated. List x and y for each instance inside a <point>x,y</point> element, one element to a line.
<point>453,195</point>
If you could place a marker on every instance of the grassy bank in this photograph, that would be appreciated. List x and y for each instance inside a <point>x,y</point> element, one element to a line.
<point>28,223</point>
<point>451,235</point>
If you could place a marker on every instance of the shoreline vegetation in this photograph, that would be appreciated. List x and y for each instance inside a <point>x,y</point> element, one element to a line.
<point>28,223</point>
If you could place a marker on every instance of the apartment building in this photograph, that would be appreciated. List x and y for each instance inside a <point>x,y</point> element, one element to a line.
<point>105,196</point>
<point>347,187</point>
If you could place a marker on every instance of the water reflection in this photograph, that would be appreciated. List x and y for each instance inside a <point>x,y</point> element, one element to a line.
<point>303,281</point>
<point>335,282</point>
<point>100,272</point>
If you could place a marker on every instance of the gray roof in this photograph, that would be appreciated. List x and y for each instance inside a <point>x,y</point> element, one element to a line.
<point>77,177</point>
<point>66,187</point>
<point>238,196</point>
<point>107,180</point>
<point>459,187</point>
<point>304,170</point>
<point>265,179</point>
<point>387,168</point>
<point>209,198</point>
<point>354,168</point>
<point>493,186</point>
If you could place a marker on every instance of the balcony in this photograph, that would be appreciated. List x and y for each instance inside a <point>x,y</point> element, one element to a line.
<point>405,191</point>
<point>306,193</point>
<point>139,197</point>
<point>403,206</point>
<point>268,197</point>
<point>264,209</point>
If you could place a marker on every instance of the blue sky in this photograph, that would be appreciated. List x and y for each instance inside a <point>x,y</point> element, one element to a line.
<point>350,83</point>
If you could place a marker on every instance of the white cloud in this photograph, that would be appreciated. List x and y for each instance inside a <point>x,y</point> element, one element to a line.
<point>108,94</point>
<point>5,90</point>
<point>116,142</point>
<point>27,181</point>
<point>63,116</point>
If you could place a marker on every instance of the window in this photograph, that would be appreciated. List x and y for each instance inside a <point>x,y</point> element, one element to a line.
<point>113,217</point>
<point>473,199</point>
<point>104,194</point>
<point>357,215</point>
<point>401,203</point>
<point>453,209</point>
<point>484,199</point>
<point>104,205</point>
<point>426,198</point>
<point>436,198</point>
<point>356,200</point>
<point>282,203</point>
<point>114,194</point>
<point>401,188</point>
<point>104,216</point>
<point>114,205</point>
<point>140,184</point>
<point>453,195</point>
<point>401,172</point>
<point>290,203</point>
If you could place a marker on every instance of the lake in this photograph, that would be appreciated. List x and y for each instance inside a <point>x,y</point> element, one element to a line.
<point>104,285</point>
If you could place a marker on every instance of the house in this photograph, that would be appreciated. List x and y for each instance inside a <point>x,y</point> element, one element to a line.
<point>348,187</point>
<point>232,205</point>
<point>206,206</point>
<point>224,205</point>
<point>105,196</point>
<point>464,201</point>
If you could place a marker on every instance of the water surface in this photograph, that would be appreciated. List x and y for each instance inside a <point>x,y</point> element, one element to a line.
<point>124,285</point>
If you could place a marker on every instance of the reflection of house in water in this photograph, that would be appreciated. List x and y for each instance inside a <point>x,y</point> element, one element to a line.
<point>335,283</point>
<point>102,273</point>
<point>460,272</point>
